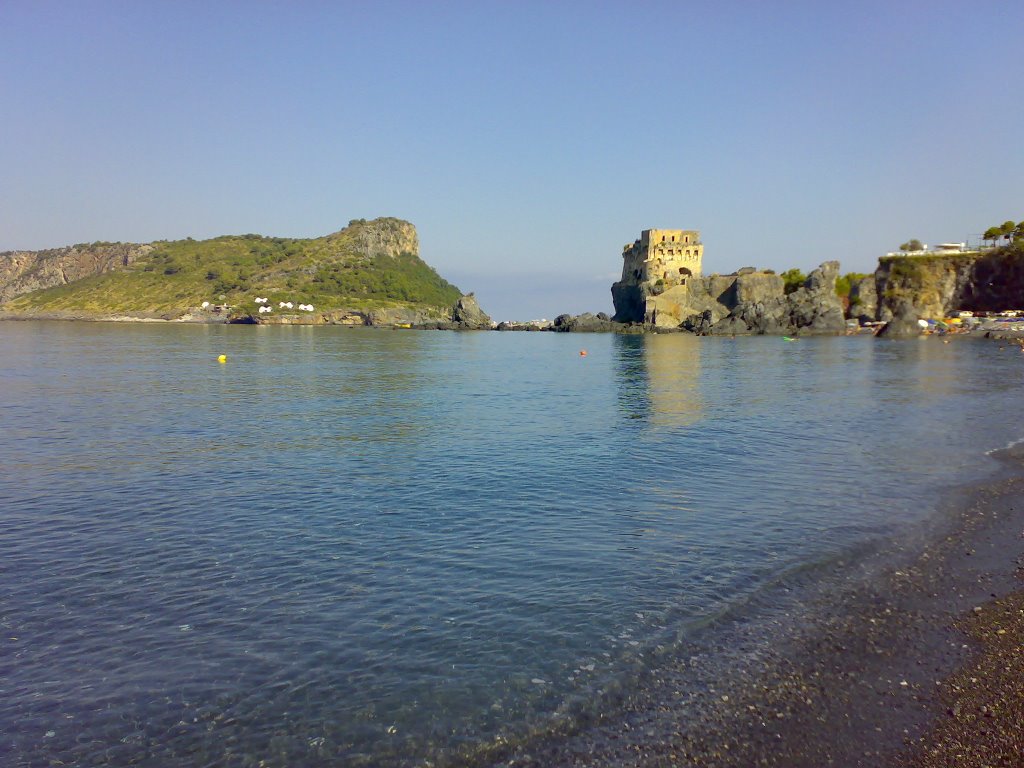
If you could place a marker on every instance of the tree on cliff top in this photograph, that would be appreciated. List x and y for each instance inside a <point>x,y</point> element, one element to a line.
<point>1007,229</point>
<point>912,245</point>
<point>845,283</point>
<point>792,279</point>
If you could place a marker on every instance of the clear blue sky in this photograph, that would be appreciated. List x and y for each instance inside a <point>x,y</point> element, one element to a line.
<point>527,141</point>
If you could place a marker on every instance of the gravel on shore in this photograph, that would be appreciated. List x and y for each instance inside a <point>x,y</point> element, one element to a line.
<point>984,722</point>
<point>917,664</point>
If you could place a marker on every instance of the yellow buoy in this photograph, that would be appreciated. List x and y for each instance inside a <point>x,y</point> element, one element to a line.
<point>222,358</point>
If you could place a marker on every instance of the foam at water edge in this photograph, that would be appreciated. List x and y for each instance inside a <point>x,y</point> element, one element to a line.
<point>1008,446</point>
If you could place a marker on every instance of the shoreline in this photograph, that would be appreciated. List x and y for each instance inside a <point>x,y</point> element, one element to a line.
<point>993,332</point>
<point>915,663</point>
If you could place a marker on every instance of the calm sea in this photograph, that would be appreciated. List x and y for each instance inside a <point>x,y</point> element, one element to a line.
<point>348,547</point>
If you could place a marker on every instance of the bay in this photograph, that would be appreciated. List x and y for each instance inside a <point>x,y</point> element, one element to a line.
<point>358,546</point>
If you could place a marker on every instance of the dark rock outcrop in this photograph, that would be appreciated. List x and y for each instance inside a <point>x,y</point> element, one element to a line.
<point>763,308</point>
<point>699,323</point>
<point>585,323</point>
<point>467,314</point>
<point>864,300</point>
<point>903,324</point>
<point>815,308</point>
<point>732,325</point>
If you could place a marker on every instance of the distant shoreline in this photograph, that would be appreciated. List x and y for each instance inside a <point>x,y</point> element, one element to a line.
<point>112,318</point>
<point>1012,333</point>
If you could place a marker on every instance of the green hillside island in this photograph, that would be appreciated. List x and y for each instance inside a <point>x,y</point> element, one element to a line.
<point>369,268</point>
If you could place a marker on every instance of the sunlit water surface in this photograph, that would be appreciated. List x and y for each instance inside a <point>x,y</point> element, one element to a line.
<point>357,546</point>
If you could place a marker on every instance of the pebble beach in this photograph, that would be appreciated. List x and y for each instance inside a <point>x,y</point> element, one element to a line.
<point>919,665</point>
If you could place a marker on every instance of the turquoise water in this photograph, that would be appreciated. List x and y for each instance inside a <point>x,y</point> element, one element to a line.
<point>351,546</point>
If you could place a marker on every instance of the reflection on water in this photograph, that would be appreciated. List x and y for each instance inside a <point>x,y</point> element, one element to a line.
<point>630,375</point>
<point>659,378</point>
<point>673,379</point>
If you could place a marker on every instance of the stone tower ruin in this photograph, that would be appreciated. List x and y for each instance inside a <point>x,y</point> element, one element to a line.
<point>661,260</point>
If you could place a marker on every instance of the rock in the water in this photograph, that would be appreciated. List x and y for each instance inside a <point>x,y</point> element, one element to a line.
<point>730,326</point>
<point>760,306</point>
<point>815,308</point>
<point>699,323</point>
<point>468,315</point>
<point>396,316</point>
<point>585,323</point>
<point>903,324</point>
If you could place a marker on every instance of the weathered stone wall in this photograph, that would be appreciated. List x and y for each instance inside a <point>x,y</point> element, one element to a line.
<point>662,254</point>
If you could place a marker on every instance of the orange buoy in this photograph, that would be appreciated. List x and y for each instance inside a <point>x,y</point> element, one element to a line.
<point>583,353</point>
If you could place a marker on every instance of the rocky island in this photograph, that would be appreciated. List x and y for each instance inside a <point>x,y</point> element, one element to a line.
<point>368,273</point>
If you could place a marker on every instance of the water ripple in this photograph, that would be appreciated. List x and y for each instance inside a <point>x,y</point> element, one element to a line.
<point>372,547</point>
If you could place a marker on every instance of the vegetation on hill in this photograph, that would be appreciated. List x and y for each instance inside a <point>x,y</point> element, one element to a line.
<point>845,282</point>
<point>793,279</point>
<point>366,265</point>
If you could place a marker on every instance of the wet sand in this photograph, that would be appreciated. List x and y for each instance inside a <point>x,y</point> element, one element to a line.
<point>918,662</point>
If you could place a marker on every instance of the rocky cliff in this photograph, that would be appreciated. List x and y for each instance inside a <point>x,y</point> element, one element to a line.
<point>937,285</point>
<point>814,308</point>
<point>748,302</point>
<point>467,315</point>
<point>27,271</point>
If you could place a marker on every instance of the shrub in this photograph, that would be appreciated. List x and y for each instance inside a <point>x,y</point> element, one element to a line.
<point>792,279</point>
